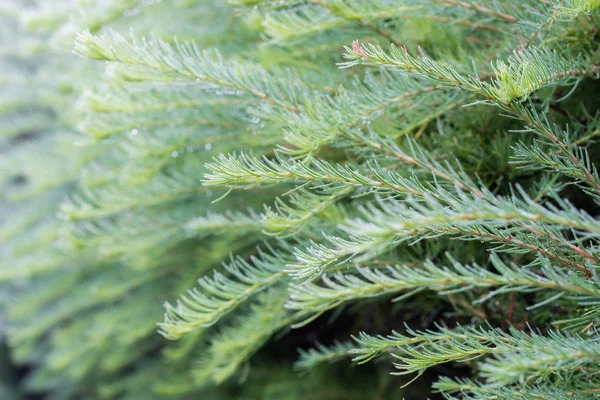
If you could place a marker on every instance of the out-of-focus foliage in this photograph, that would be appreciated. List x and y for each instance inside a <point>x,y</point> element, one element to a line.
<point>275,172</point>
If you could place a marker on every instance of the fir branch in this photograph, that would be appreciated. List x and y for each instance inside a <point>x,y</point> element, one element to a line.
<point>397,222</point>
<point>189,62</point>
<point>311,299</point>
<point>243,169</point>
<point>586,323</point>
<point>467,387</point>
<point>416,156</point>
<point>320,354</point>
<point>576,163</point>
<point>515,78</point>
<point>421,350</point>
<point>238,342</point>
<point>370,347</point>
<point>309,131</point>
<point>289,219</point>
<point>220,294</point>
<point>557,354</point>
<point>399,58</point>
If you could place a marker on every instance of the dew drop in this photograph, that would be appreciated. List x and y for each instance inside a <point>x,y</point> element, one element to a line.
<point>208,146</point>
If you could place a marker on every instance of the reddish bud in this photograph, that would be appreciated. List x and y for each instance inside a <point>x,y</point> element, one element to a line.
<point>358,49</point>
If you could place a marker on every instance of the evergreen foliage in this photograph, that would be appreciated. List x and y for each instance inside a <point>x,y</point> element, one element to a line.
<point>303,185</point>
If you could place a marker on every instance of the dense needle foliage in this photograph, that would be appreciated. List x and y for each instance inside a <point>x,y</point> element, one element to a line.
<point>300,199</point>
